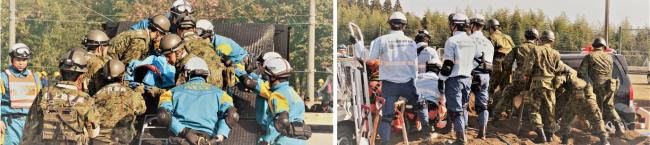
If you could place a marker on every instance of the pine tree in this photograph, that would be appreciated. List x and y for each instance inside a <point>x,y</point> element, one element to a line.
<point>398,6</point>
<point>375,5</point>
<point>388,6</point>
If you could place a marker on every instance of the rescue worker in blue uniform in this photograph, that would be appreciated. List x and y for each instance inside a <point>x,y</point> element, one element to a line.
<point>253,81</point>
<point>458,58</point>
<point>209,124</point>
<point>19,90</point>
<point>231,52</point>
<point>287,110</point>
<point>481,72</point>
<point>398,69</point>
<point>179,9</point>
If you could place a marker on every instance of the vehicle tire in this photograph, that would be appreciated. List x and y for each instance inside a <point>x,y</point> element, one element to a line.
<point>345,135</point>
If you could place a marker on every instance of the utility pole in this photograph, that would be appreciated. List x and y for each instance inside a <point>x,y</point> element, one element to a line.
<point>0,35</point>
<point>12,23</point>
<point>607,20</point>
<point>312,44</point>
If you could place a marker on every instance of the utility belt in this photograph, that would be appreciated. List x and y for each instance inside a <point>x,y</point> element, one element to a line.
<point>297,130</point>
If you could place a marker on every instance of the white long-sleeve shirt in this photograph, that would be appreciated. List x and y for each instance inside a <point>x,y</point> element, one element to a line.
<point>427,55</point>
<point>484,47</point>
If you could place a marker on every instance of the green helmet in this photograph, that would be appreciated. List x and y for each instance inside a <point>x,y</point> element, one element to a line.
<point>159,23</point>
<point>113,69</point>
<point>493,23</point>
<point>599,42</point>
<point>548,36</point>
<point>531,34</point>
<point>170,43</point>
<point>95,38</point>
<point>74,60</point>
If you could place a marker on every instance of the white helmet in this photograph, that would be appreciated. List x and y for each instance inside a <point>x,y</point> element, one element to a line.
<point>398,17</point>
<point>460,19</point>
<point>20,50</point>
<point>204,28</point>
<point>197,66</point>
<point>180,6</point>
<point>268,56</point>
<point>278,67</point>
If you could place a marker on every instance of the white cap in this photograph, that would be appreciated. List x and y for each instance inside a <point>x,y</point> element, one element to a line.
<point>398,16</point>
<point>16,46</point>
<point>196,63</point>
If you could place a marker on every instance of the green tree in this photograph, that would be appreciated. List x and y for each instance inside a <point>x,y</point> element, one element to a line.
<point>388,6</point>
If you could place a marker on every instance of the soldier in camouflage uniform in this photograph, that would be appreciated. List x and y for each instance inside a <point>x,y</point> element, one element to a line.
<point>596,68</point>
<point>62,113</point>
<point>545,62</point>
<point>501,70</point>
<point>117,106</point>
<point>96,42</point>
<point>580,100</point>
<point>521,56</point>
<point>138,44</point>
<point>203,49</point>
<point>173,48</point>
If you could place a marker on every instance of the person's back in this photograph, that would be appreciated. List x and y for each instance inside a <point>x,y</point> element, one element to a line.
<point>118,106</point>
<point>188,96</point>
<point>546,62</point>
<point>130,45</point>
<point>600,65</point>
<point>461,48</point>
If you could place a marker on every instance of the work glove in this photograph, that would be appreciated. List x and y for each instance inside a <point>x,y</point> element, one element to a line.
<point>217,139</point>
<point>192,137</point>
<point>155,91</point>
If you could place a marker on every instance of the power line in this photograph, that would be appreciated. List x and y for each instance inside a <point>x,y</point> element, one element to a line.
<point>63,21</point>
<point>91,10</point>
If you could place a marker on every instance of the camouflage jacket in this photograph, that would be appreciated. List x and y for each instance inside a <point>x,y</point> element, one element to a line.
<point>522,57</point>
<point>502,43</point>
<point>117,106</point>
<point>546,63</point>
<point>219,75</point>
<point>130,45</point>
<point>61,114</point>
<point>92,78</point>
<point>597,66</point>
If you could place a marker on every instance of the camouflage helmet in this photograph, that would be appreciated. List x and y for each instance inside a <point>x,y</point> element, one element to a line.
<point>548,36</point>
<point>74,60</point>
<point>20,50</point>
<point>159,23</point>
<point>113,69</point>
<point>531,34</point>
<point>599,42</point>
<point>170,43</point>
<point>493,23</point>
<point>95,38</point>
<point>187,22</point>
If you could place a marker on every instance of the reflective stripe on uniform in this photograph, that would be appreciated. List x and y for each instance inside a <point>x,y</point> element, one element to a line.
<point>22,91</point>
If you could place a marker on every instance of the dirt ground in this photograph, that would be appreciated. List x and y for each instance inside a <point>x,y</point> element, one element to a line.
<point>505,134</point>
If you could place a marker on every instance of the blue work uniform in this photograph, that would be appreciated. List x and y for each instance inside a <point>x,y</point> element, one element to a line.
<point>227,47</point>
<point>144,24</point>
<point>284,98</point>
<point>162,77</point>
<point>461,50</point>
<point>14,117</point>
<point>485,50</point>
<point>398,56</point>
<point>199,106</point>
<point>262,111</point>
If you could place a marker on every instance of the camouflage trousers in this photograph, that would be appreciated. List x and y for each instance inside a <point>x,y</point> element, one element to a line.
<point>498,78</point>
<point>605,95</point>
<point>542,109</point>
<point>508,94</point>
<point>580,104</point>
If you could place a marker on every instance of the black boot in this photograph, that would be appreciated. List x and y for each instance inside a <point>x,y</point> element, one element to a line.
<point>481,133</point>
<point>549,136</point>
<point>460,138</point>
<point>541,137</point>
<point>604,140</point>
<point>619,128</point>
<point>565,139</point>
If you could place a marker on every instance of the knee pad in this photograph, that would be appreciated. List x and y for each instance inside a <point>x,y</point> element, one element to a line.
<point>447,67</point>
<point>164,117</point>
